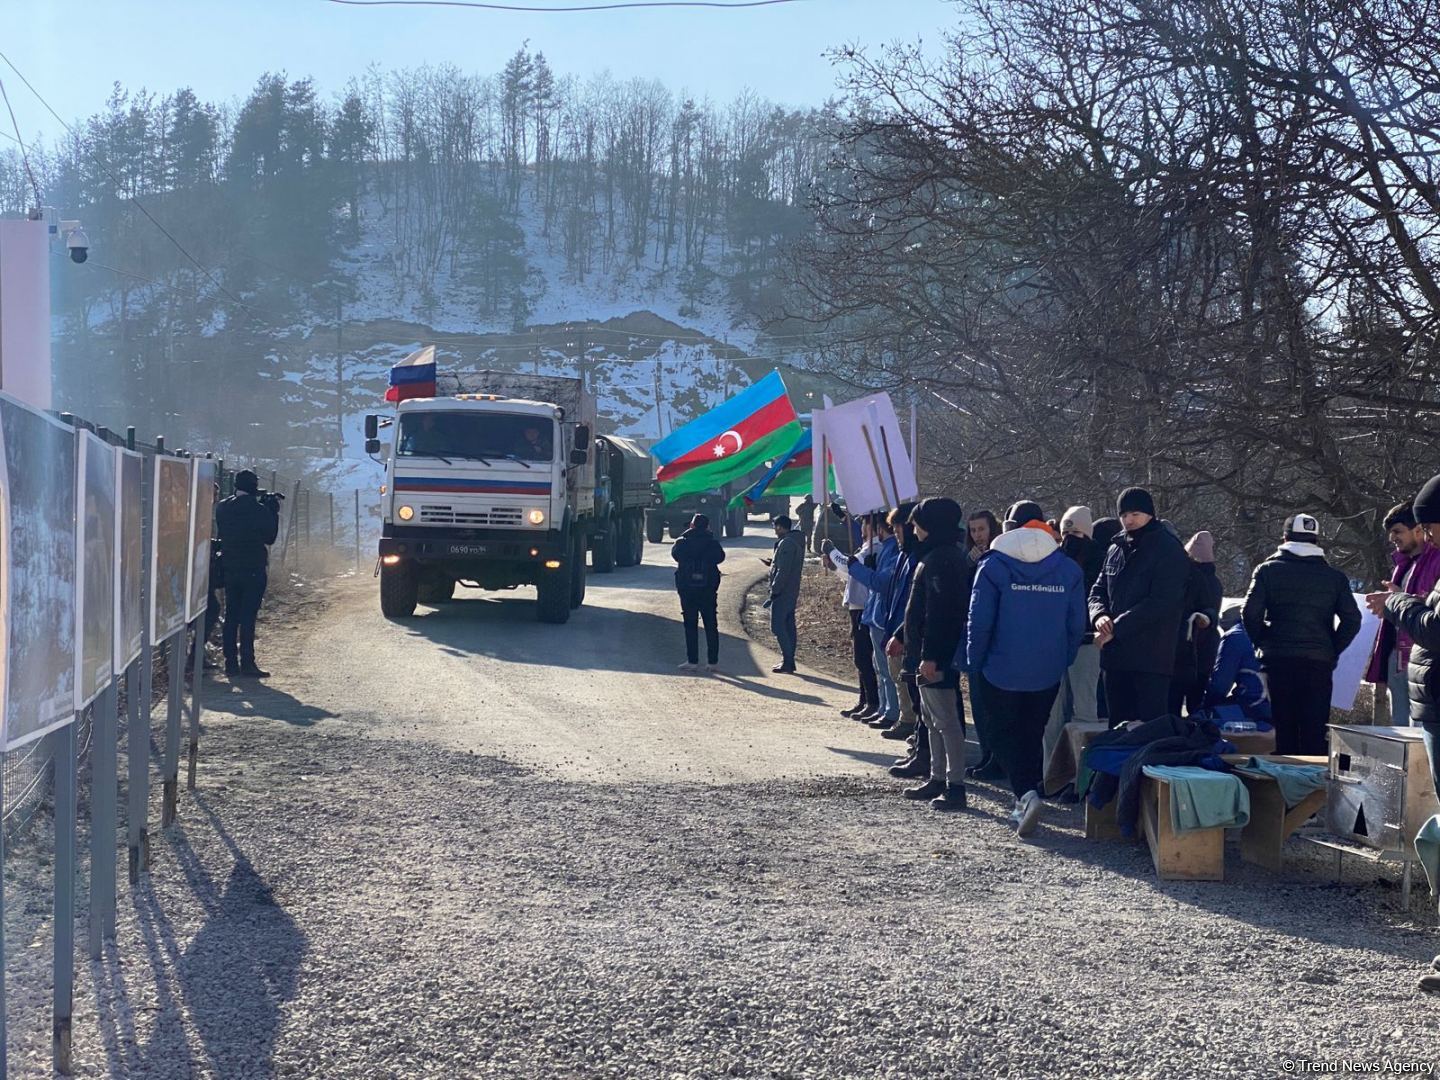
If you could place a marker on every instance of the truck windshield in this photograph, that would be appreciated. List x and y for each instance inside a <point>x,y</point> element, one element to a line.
<point>474,435</point>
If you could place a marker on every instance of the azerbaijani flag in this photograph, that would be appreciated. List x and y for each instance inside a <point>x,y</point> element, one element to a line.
<point>414,376</point>
<point>728,441</point>
<point>790,475</point>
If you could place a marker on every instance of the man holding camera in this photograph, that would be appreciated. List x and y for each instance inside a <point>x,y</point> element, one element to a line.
<point>247,524</point>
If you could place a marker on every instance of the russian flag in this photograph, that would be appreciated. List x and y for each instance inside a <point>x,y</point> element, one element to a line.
<point>413,377</point>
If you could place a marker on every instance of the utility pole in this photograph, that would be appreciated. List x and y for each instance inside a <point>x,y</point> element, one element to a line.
<point>659,404</point>
<point>339,383</point>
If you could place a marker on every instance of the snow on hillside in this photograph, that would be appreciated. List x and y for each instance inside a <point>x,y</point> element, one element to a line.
<point>556,295</point>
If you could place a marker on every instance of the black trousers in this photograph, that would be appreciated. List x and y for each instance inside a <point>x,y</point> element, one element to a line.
<point>697,605</point>
<point>1136,695</point>
<point>244,591</point>
<point>1015,727</point>
<point>863,650</point>
<point>1300,704</point>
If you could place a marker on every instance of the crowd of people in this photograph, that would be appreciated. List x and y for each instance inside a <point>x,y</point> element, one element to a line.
<point>1035,622</point>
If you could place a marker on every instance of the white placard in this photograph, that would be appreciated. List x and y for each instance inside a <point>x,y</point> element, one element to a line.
<point>130,557</point>
<point>202,529</point>
<point>37,573</point>
<point>1350,668</point>
<point>169,545</point>
<point>872,464</point>
<point>95,581</point>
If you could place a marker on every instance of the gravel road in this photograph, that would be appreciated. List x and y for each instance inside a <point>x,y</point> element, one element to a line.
<point>470,845</point>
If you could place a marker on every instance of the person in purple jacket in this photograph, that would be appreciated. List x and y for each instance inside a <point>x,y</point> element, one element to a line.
<point>1027,621</point>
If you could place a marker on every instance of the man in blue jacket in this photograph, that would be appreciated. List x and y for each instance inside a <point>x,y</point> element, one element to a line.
<point>1027,621</point>
<point>1237,682</point>
<point>878,579</point>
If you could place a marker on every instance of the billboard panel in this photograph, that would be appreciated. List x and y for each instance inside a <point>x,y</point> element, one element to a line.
<point>169,545</point>
<point>95,583</point>
<point>202,528</point>
<point>37,573</point>
<point>130,554</point>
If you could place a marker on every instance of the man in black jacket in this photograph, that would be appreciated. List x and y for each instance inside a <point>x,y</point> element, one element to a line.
<point>698,556</point>
<point>935,624</point>
<point>246,526</point>
<point>1135,611</point>
<point>1300,615</point>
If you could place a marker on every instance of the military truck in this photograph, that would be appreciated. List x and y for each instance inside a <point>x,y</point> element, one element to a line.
<point>622,495</point>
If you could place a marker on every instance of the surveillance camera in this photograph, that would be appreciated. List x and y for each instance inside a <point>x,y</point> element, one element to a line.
<point>78,243</point>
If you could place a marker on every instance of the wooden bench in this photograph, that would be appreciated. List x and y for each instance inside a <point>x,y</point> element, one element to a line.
<point>1197,855</point>
<point>1262,841</point>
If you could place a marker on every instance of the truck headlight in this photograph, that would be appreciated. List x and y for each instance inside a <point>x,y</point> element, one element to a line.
<point>537,517</point>
<point>405,513</point>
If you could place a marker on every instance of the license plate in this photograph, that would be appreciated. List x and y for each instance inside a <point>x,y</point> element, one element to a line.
<point>467,549</point>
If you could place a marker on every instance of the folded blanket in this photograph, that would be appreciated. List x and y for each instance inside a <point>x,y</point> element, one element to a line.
<point>1295,781</point>
<point>1203,798</point>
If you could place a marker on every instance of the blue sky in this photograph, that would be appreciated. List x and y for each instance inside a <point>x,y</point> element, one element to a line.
<point>73,50</point>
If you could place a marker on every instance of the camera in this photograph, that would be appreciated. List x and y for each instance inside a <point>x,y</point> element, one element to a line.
<point>270,498</point>
<point>76,241</point>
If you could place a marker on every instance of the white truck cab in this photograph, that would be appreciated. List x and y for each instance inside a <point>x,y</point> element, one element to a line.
<point>490,489</point>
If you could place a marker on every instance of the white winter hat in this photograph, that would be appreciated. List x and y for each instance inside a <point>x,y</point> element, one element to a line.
<point>1078,519</point>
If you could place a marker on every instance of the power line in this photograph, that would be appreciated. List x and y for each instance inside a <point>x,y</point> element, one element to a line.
<point>24,157</point>
<point>570,8</point>
<point>119,184</point>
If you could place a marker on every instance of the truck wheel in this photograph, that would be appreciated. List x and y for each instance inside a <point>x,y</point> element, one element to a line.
<point>553,600</point>
<point>577,573</point>
<point>654,528</point>
<point>676,529</point>
<point>735,523</point>
<point>436,590</point>
<point>399,591</point>
<point>603,552</point>
<point>637,542</point>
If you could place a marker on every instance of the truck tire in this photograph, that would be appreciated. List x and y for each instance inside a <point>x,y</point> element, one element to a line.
<point>577,573</point>
<point>637,539</point>
<point>399,591</point>
<point>735,523</point>
<point>440,590</point>
<point>602,551</point>
<point>677,529</point>
<point>552,601</point>
<point>654,528</point>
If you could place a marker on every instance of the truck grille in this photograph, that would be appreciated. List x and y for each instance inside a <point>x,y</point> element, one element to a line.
<point>433,514</point>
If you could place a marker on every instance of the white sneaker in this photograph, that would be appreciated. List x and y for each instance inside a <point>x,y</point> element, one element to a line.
<point>1027,813</point>
<point>687,666</point>
<point>705,669</point>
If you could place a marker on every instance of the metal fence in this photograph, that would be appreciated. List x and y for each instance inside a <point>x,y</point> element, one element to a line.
<point>319,531</point>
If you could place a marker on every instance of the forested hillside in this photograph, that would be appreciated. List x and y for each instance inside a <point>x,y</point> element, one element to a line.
<point>521,217</point>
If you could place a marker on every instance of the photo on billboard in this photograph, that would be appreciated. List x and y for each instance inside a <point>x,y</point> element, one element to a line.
<point>202,529</point>
<point>95,583</point>
<point>37,572</point>
<point>130,553</point>
<point>170,546</point>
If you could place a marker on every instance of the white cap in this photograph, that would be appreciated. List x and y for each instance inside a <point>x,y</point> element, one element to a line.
<point>1302,525</point>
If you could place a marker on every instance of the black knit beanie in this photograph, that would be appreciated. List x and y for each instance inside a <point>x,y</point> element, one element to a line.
<point>1136,500</point>
<point>1105,530</point>
<point>1022,513</point>
<point>1427,503</point>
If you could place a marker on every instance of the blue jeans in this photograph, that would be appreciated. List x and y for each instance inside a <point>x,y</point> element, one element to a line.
<point>1398,683</point>
<point>1431,731</point>
<point>889,693</point>
<point>782,625</point>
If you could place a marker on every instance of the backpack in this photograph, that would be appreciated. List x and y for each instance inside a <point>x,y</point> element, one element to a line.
<point>693,571</point>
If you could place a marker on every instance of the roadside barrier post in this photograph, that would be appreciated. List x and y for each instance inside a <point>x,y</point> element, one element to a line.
<point>64,754</point>
<point>103,798</point>
<point>171,775</point>
<point>197,664</point>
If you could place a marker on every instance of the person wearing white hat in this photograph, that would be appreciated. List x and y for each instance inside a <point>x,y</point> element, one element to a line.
<point>1300,615</point>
